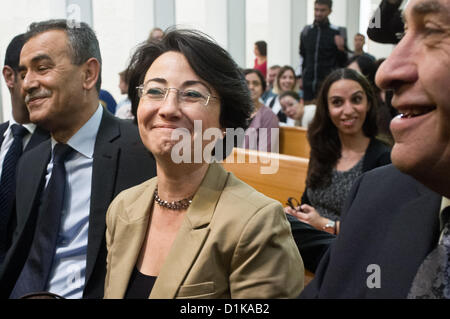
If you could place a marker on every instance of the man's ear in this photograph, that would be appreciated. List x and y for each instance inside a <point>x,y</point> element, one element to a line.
<point>9,75</point>
<point>91,69</point>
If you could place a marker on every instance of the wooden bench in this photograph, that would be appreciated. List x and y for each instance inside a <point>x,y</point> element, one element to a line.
<point>288,180</point>
<point>293,141</point>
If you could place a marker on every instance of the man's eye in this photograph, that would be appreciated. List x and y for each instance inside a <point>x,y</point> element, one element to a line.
<point>432,31</point>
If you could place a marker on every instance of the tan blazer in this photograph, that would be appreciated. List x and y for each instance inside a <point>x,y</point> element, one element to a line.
<point>233,243</point>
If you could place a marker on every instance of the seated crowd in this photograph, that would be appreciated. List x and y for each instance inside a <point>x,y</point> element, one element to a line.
<point>131,201</point>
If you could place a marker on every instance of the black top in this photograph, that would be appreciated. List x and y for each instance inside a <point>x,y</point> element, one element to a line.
<point>140,286</point>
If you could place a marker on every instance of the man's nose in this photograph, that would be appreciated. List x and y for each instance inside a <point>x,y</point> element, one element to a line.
<point>29,82</point>
<point>399,68</point>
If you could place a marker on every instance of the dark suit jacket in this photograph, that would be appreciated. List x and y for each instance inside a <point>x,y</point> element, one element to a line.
<point>37,138</point>
<point>120,162</point>
<point>391,221</point>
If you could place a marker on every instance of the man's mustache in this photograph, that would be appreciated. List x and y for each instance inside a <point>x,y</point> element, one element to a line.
<point>43,93</point>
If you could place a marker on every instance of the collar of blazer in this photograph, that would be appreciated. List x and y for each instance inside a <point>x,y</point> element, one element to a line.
<point>130,226</point>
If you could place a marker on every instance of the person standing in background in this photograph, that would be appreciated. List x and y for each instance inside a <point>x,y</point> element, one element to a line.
<point>261,57</point>
<point>124,106</point>
<point>322,49</point>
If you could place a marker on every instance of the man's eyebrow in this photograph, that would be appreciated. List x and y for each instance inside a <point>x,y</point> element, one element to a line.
<point>35,59</point>
<point>427,7</point>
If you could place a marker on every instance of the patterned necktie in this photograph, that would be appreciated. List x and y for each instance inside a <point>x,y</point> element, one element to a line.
<point>432,280</point>
<point>36,271</point>
<point>8,182</point>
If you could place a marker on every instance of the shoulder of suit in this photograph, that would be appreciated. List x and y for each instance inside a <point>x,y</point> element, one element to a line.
<point>334,27</point>
<point>391,177</point>
<point>129,196</point>
<point>306,29</point>
<point>3,127</point>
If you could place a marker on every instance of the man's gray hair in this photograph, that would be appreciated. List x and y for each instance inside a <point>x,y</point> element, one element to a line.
<point>82,40</point>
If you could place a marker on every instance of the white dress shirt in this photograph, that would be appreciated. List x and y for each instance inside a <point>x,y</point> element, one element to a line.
<point>67,277</point>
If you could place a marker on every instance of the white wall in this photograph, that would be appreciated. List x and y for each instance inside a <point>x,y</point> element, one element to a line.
<point>257,29</point>
<point>122,24</point>
<point>208,16</point>
<point>114,24</point>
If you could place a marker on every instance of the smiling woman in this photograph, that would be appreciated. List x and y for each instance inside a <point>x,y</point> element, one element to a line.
<point>195,231</point>
<point>343,146</point>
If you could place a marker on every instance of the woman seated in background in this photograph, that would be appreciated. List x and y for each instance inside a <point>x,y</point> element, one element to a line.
<point>262,117</point>
<point>297,112</point>
<point>285,81</point>
<point>343,146</point>
<point>195,230</point>
<point>368,67</point>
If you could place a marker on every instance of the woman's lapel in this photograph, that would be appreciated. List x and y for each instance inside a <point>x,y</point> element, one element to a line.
<point>192,234</point>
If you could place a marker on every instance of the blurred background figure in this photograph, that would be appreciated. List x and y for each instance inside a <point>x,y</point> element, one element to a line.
<point>272,73</point>
<point>285,81</point>
<point>343,144</point>
<point>107,101</point>
<point>262,116</point>
<point>123,110</point>
<point>155,34</point>
<point>261,57</point>
<point>322,49</point>
<point>298,114</point>
<point>358,42</point>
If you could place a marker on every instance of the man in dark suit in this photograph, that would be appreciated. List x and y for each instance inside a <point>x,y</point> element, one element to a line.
<point>395,235</point>
<point>60,65</point>
<point>30,137</point>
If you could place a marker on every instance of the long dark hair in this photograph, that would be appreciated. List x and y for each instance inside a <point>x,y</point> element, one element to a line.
<point>323,135</point>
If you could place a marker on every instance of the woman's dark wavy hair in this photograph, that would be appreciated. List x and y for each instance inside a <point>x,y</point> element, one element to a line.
<point>209,61</point>
<point>323,135</point>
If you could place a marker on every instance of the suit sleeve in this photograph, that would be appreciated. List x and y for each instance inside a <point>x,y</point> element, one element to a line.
<point>266,262</point>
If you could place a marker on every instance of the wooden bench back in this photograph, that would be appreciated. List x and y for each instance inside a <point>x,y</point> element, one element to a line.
<point>288,178</point>
<point>293,141</point>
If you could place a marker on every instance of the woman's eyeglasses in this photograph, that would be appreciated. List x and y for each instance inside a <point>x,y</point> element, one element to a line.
<point>186,97</point>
